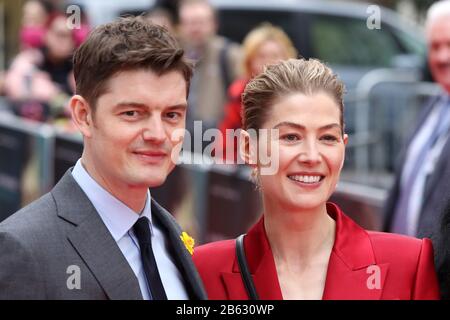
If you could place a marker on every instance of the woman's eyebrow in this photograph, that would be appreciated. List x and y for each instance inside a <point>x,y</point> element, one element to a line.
<point>302,127</point>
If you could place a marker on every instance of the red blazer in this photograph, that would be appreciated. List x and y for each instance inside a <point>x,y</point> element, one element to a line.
<point>406,265</point>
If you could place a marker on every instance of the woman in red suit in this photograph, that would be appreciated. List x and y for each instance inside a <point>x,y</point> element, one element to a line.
<point>304,247</point>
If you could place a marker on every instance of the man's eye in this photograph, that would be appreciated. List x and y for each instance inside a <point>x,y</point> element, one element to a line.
<point>173,115</point>
<point>329,138</point>
<point>130,113</point>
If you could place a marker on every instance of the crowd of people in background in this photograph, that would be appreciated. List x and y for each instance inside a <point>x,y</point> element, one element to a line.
<point>39,80</point>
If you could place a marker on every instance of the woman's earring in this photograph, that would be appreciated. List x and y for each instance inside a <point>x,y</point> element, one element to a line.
<point>255,172</point>
<point>255,177</point>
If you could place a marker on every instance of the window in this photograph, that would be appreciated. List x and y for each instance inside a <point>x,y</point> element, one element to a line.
<point>236,23</point>
<point>348,41</point>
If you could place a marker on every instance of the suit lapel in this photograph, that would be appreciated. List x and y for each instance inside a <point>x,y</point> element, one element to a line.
<point>353,272</point>
<point>344,283</point>
<point>91,239</point>
<point>262,268</point>
<point>181,255</point>
<point>419,123</point>
<point>421,120</point>
<point>429,105</point>
<point>103,257</point>
<point>265,279</point>
<point>436,176</point>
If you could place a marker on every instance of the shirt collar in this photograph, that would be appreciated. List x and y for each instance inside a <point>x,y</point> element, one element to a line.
<point>117,216</point>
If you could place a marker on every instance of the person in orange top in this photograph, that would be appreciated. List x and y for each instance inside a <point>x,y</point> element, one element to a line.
<point>263,45</point>
<point>303,247</point>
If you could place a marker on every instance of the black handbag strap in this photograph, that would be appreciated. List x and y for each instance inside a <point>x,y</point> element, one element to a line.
<point>245,272</point>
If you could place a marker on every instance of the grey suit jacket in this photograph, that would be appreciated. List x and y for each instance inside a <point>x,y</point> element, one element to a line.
<point>436,194</point>
<point>42,244</point>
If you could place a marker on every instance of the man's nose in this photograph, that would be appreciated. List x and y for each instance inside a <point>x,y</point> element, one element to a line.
<point>443,54</point>
<point>154,130</point>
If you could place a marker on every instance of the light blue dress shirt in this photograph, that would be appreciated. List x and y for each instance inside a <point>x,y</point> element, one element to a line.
<point>119,219</point>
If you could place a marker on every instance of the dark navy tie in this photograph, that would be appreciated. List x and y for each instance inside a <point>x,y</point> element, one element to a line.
<point>142,232</point>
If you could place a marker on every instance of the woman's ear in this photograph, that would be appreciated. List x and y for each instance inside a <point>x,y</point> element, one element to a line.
<point>248,148</point>
<point>81,115</point>
<point>345,143</point>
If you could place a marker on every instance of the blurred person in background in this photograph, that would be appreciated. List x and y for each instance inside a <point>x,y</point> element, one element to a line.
<point>35,14</point>
<point>217,62</point>
<point>263,45</point>
<point>303,247</point>
<point>162,17</point>
<point>421,190</point>
<point>40,81</point>
<point>170,6</point>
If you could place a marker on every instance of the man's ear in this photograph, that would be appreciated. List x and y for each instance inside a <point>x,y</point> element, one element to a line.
<point>345,139</point>
<point>248,148</point>
<point>81,115</point>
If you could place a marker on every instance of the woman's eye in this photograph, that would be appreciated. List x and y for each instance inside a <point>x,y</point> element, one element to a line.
<point>290,137</point>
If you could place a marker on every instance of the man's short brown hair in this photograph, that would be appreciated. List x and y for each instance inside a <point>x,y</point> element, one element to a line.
<point>126,44</point>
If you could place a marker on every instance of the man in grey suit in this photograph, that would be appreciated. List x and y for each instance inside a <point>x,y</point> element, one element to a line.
<point>421,191</point>
<point>98,234</point>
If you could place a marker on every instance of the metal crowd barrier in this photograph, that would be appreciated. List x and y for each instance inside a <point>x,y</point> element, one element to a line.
<point>26,154</point>
<point>386,104</point>
<point>2,37</point>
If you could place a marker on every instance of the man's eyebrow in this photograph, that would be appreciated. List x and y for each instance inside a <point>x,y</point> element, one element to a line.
<point>178,106</point>
<point>125,104</point>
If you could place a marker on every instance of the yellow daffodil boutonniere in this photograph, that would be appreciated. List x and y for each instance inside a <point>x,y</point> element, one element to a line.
<point>188,241</point>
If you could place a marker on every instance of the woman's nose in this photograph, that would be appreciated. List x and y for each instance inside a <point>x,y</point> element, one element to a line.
<point>309,152</point>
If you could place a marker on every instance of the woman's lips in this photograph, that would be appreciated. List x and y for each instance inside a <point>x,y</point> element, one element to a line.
<point>307,180</point>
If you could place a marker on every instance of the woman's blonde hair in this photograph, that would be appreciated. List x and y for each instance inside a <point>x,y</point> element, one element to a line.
<point>256,37</point>
<point>291,76</point>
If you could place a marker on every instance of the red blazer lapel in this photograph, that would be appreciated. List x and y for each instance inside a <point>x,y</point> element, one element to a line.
<point>344,283</point>
<point>234,286</point>
<point>352,270</point>
<point>261,265</point>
